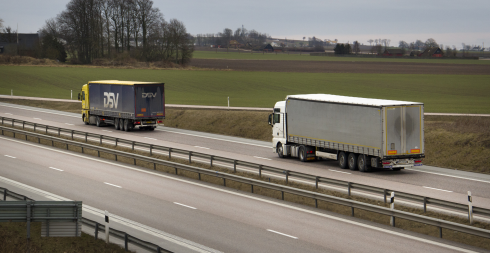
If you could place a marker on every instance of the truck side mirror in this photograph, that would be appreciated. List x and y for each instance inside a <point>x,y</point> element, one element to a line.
<point>78,96</point>
<point>270,119</point>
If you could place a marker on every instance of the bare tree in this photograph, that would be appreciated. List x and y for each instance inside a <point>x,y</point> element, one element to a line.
<point>1,23</point>
<point>403,44</point>
<point>431,43</point>
<point>370,41</point>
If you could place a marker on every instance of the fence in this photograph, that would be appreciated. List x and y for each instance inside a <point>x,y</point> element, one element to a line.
<point>98,227</point>
<point>280,188</point>
<point>260,168</point>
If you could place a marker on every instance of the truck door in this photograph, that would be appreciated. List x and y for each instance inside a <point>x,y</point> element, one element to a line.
<point>404,131</point>
<point>278,121</point>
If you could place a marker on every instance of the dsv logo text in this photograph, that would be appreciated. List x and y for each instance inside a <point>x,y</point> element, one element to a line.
<point>110,100</point>
<point>149,95</point>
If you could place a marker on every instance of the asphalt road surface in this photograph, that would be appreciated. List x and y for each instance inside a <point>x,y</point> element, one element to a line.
<point>451,185</point>
<point>216,217</point>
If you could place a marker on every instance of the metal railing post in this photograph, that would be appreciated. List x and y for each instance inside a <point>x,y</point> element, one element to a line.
<point>234,166</point>
<point>151,149</point>
<point>316,182</point>
<point>5,194</point>
<point>425,204</point>
<point>211,161</point>
<point>190,154</point>
<point>348,188</point>
<point>106,226</point>
<point>169,153</point>
<point>96,230</point>
<point>126,241</point>
<point>86,136</point>
<point>260,170</point>
<point>287,175</point>
<point>132,146</point>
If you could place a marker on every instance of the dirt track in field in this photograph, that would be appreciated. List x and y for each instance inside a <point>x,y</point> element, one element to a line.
<point>343,67</point>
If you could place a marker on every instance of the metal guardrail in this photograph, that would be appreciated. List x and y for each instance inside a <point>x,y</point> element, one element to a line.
<point>98,227</point>
<point>280,188</point>
<point>259,167</point>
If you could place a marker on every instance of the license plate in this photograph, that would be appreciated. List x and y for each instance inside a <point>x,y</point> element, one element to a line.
<point>149,122</point>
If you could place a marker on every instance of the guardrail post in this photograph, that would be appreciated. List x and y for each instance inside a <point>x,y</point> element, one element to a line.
<point>287,175</point>
<point>126,241</point>
<point>425,204</point>
<point>5,194</point>
<point>159,250</point>
<point>106,226</point>
<point>72,134</point>
<point>234,166</point>
<point>316,182</point>
<point>151,149</point>
<point>440,232</point>
<point>100,140</point>
<point>470,208</point>
<point>384,194</point>
<point>154,166</point>
<point>352,211</point>
<point>252,188</point>
<point>96,230</point>
<point>199,175</point>
<point>28,220</point>
<point>35,127</point>
<point>282,195</point>
<point>86,136</point>
<point>12,122</point>
<point>116,142</point>
<point>392,207</point>
<point>348,188</point>
<point>134,161</point>
<point>39,140</point>
<point>59,131</point>
<point>115,156</point>
<point>98,153</point>
<point>169,153</point>
<point>190,154</point>
<point>46,129</point>
<point>132,146</point>
<point>316,203</point>
<point>224,182</point>
<point>23,123</point>
<point>211,161</point>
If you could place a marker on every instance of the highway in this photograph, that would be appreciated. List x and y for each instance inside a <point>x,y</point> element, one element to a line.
<point>216,217</point>
<point>428,181</point>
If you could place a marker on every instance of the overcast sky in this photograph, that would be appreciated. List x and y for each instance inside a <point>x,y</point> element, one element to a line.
<point>449,22</point>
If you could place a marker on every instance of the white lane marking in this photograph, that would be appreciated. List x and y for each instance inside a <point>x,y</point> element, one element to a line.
<point>439,174</point>
<point>55,168</point>
<point>106,131</point>
<point>184,205</point>
<point>340,171</point>
<point>113,185</point>
<point>263,158</point>
<point>254,198</point>
<point>201,147</point>
<point>40,111</point>
<point>212,138</point>
<point>8,113</point>
<point>10,156</point>
<point>436,189</point>
<point>270,230</point>
<point>69,124</point>
<point>150,138</point>
<point>37,118</point>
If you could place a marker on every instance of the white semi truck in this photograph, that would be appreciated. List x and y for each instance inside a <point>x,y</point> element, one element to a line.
<point>360,133</point>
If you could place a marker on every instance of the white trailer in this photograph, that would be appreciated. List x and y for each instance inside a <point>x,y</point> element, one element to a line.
<point>361,133</point>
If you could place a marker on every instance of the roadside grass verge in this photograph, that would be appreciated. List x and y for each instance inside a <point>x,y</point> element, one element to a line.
<point>13,239</point>
<point>439,93</point>
<point>455,142</point>
<point>296,56</point>
<point>366,215</point>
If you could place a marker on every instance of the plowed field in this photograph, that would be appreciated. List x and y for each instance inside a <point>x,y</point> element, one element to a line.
<point>342,67</point>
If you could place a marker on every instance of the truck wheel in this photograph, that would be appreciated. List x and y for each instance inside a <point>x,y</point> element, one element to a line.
<point>121,124</point>
<point>97,121</point>
<point>152,128</point>
<point>83,118</point>
<point>361,163</point>
<point>116,123</point>
<point>352,161</point>
<point>396,169</point>
<point>343,160</point>
<point>126,125</point>
<point>280,151</point>
<point>302,153</point>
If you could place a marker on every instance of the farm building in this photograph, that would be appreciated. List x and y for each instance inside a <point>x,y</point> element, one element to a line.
<point>394,52</point>
<point>415,53</point>
<point>26,45</point>
<point>432,52</point>
<point>268,48</point>
<point>234,43</point>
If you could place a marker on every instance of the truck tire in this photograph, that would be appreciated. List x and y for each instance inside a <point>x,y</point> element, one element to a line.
<point>352,161</point>
<point>302,153</point>
<point>152,128</point>
<point>83,118</point>
<point>280,151</point>
<point>342,160</point>
<point>116,123</point>
<point>97,121</point>
<point>126,125</point>
<point>361,163</point>
<point>121,124</point>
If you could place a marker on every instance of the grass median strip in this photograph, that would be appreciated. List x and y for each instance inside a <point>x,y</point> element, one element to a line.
<point>383,219</point>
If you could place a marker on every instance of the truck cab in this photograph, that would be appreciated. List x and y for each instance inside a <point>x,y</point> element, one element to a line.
<point>83,96</point>
<point>278,122</point>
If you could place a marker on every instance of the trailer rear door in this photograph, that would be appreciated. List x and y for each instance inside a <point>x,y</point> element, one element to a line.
<point>403,130</point>
<point>149,101</point>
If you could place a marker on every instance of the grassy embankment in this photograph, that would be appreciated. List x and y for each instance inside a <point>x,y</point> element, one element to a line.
<point>461,143</point>
<point>440,93</point>
<point>13,239</point>
<point>222,54</point>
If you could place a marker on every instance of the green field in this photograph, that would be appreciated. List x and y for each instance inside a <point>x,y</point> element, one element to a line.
<point>440,93</point>
<point>222,54</point>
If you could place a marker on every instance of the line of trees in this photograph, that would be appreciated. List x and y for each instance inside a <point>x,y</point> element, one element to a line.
<point>92,29</point>
<point>241,35</point>
<point>418,44</point>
